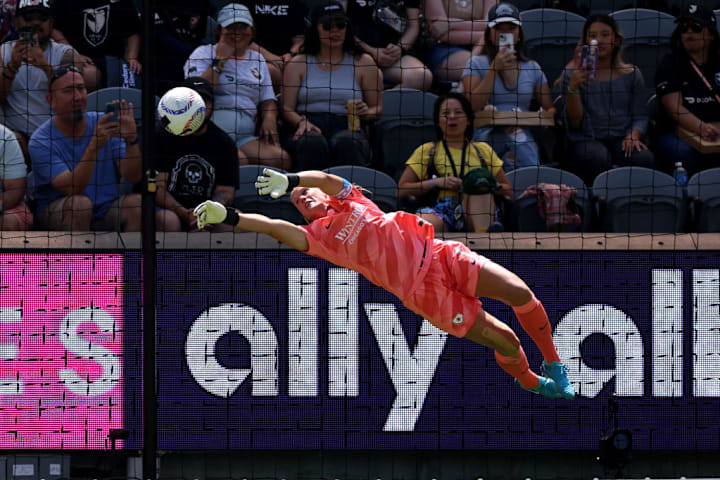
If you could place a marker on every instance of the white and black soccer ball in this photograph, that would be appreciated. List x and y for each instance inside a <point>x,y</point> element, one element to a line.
<point>181,111</point>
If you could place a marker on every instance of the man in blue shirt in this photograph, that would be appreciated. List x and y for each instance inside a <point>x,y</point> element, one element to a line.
<point>74,158</point>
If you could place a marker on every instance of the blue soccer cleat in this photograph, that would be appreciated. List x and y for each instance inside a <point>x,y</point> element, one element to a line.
<point>558,372</point>
<point>546,388</point>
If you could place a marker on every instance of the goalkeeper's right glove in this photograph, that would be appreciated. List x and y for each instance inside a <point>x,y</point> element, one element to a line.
<point>275,183</point>
<point>210,212</point>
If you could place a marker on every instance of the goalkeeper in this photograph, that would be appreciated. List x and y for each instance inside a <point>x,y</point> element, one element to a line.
<point>439,280</point>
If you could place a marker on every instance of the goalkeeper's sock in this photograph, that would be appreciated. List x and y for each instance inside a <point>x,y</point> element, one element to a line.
<point>535,322</point>
<point>231,218</point>
<point>518,367</point>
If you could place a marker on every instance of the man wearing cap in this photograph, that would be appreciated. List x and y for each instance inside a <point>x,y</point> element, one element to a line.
<point>76,157</point>
<point>688,87</point>
<point>27,64</point>
<point>244,96</point>
<point>198,167</point>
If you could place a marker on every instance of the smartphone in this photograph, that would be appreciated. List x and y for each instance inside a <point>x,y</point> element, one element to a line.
<point>506,39</point>
<point>114,109</point>
<point>27,34</point>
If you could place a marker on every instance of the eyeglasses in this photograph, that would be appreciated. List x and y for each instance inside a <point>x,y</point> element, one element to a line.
<point>62,71</point>
<point>340,24</point>
<point>694,26</point>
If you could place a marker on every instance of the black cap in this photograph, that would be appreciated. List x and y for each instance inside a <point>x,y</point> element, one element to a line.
<point>327,9</point>
<point>503,13</point>
<point>201,86</point>
<point>33,6</point>
<point>699,13</point>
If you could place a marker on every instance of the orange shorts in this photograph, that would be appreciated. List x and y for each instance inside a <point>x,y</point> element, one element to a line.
<point>446,297</point>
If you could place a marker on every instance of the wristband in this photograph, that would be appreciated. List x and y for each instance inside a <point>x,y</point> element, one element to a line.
<point>232,218</point>
<point>570,90</point>
<point>134,142</point>
<point>293,180</point>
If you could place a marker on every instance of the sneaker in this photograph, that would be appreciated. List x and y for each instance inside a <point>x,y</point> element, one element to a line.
<point>558,372</point>
<point>546,388</point>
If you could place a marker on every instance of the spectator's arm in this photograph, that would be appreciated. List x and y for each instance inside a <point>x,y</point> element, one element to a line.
<point>132,49</point>
<point>370,80</point>
<point>478,89</point>
<point>297,42</point>
<point>453,31</point>
<point>130,166</point>
<point>292,77</point>
<point>13,192</point>
<point>672,102</point>
<point>413,29</point>
<point>166,200</point>
<point>59,36</point>
<point>544,96</point>
<point>224,194</point>
<point>267,54</point>
<point>7,77</point>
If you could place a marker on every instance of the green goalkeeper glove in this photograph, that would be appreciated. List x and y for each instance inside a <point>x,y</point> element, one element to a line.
<point>275,183</point>
<point>209,212</point>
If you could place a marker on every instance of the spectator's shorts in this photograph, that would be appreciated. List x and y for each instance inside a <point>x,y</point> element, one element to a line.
<point>239,125</point>
<point>440,52</point>
<point>449,211</point>
<point>446,297</point>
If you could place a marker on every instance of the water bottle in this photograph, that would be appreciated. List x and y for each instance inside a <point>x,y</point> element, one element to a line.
<point>680,174</point>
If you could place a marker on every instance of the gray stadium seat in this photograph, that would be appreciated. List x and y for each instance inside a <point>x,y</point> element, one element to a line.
<point>717,16</point>
<point>551,36</point>
<point>647,38</point>
<point>248,200</point>
<point>638,200</point>
<point>405,124</point>
<point>383,189</point>
<point>703,192</point>
<point>525,216</point>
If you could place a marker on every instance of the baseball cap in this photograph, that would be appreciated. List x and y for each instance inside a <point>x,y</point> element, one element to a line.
<point>234,13</point>
<point>33,6</point>
<point>327,9</point>
<point>699,13</point>
<point>201,86</point>
<point>503,13</point>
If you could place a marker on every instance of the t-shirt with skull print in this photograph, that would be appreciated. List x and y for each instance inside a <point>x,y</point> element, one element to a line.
<point>196,164</point>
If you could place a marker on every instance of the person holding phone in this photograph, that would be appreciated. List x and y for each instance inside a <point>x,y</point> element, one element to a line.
<point>503,78</point>
<point>605,117</point>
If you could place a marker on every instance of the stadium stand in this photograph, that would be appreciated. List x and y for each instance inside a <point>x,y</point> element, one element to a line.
<point>703,191</point>
<point>638,200</point>
<point>382,188</point>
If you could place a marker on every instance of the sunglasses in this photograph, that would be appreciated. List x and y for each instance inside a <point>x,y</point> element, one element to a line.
<point>694,26</point>
<point>62,71</point>
<point>340,24</point>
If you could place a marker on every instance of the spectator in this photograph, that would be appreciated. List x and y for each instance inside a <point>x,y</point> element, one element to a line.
<point>101,28</point>
<point>388,35</point>
<point>74,159</point>
<point>27,68</point>
<point>606,116</point>
<point>317,86</point>
<point>688,86</point>
<point>244,95</point>
<point>503,78</point>
<point>440,167</point>
<point>180,27</point>
<point>14,214</point>
<point>280,25</point>
<point>457,27</point>
<point>198,167</point>
<point>7,19</point>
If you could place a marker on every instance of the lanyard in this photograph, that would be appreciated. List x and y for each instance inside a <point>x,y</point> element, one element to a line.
<point>707,84</point>
<point>452,162</point>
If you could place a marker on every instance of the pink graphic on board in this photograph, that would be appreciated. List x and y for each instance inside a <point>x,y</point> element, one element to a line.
<point>61,350</point>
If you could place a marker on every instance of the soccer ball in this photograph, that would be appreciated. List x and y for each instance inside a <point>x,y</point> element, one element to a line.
<point>181,111</point>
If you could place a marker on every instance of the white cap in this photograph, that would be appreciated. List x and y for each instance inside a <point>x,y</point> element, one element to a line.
<point>234,13</point>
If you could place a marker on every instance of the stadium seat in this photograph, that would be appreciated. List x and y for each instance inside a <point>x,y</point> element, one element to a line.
<point>703,192</point>
<point>647,38</point>
<point>524,216</point>
<point>717,16</point>
<point>406,123</point>
<point>248,200</point>
<point>551,36</point>
<point>382,187</point>
<point>638,200</point>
